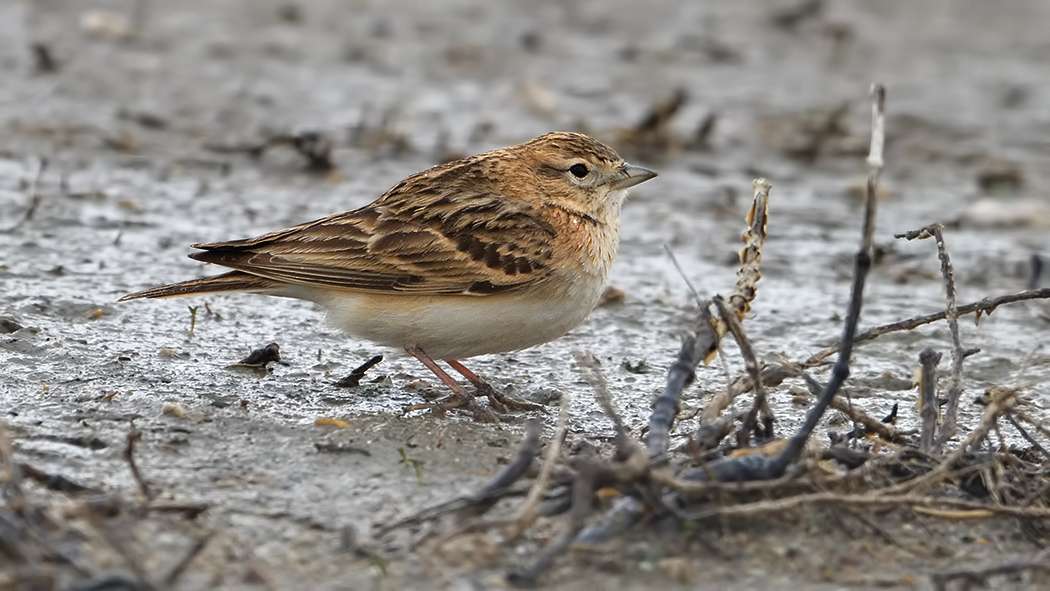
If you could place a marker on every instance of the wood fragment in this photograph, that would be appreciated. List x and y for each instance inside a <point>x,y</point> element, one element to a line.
<point>747,351</point>
<point>951,314</point>
<point>928,409</point>
<point>134,436</point>
<point>695,347</point>
<point>530,508</point>
<point>354,379</point>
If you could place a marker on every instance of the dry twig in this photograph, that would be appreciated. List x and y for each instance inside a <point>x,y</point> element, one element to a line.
<point>861,266</point>
<point>134,435</point>
<point>947,428</point>
<point>695,347</point>
<point>34,199</point>
<point>1002,400</point>
<point>980,575</point>
<point>985,306</point>
<point>747,351</point>
<point>856,414</point>
<point>928,397</point>
<point>530,509</point>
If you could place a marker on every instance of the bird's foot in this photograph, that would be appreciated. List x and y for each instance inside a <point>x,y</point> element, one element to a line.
<point>457,402</point>
<point>505,403</point>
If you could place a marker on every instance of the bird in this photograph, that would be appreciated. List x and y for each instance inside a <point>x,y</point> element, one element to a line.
<point>492,253</point>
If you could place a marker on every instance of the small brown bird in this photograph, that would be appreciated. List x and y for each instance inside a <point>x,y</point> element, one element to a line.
<point>493,253</point>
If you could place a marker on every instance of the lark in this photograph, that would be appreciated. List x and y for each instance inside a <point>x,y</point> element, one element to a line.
<point>493,253</point>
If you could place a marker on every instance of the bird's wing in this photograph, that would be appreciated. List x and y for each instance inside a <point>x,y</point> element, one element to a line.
<point>412,240</point>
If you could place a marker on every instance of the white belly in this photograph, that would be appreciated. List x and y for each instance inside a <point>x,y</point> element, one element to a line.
<point>457,327</point>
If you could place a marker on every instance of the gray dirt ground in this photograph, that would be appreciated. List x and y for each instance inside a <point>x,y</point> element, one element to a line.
<point>399,86</point>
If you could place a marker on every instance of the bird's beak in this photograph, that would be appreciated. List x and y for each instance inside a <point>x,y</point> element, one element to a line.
<point>630,176</point>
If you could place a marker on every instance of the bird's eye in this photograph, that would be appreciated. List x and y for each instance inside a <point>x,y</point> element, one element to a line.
<point>578,170</point>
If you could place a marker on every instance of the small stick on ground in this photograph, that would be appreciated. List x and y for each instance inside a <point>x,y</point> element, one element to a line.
<point>1002,400</point>
<point>1028,437</point>
<point>747,351</point>
<point>928,397</point>
<point>713,426</point>
<point>985,306</point>
<point>856,414</point>
<point>751,255</point>
<point>947,429</point>
<point>530,509</point>
<point>1039,426</point>
<point>261,357</point>
<point>630,465</point>
<point>861,265</point>
<point>198,545</point>
<point>695,348</point>
<point>134,435</point>
<point>980,575</point>
<point>876,499</point>
<point>594,377</point>
<point>483,500</point>
<point>34,200</point>
<point>582,502</point>
<point>55,482</point>
<point>354,379</point>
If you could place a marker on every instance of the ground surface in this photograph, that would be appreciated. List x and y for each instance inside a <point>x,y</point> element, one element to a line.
<point>125,127</point>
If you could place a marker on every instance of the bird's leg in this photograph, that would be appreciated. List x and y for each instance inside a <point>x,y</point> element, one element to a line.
<point>460,399</point>
<point>499,401</point>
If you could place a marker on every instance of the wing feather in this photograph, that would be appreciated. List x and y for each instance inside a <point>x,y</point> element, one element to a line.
<point>412,240</point>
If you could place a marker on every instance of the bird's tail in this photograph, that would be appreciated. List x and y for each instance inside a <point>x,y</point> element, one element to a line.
<point>233,281</point>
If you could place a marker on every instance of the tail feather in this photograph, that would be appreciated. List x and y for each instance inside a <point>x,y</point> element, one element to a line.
<point>233,281</point>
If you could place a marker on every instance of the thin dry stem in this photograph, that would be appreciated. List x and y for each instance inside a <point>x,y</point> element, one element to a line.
<point>1002,400</point>
<point>875,499</point>
<point>947,429</point>
<point>856,414</point>
<point>34,199</point>
<point>979,575</point>
<point>530,509</point>
<point>751,255</point>
<point>861,266</point>
<point>747,351</point>
<point>987,305</point>
<point>135,435</point>
<point>928,398</point>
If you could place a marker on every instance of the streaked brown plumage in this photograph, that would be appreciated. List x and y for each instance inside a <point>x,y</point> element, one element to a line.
<point>496,252</point>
